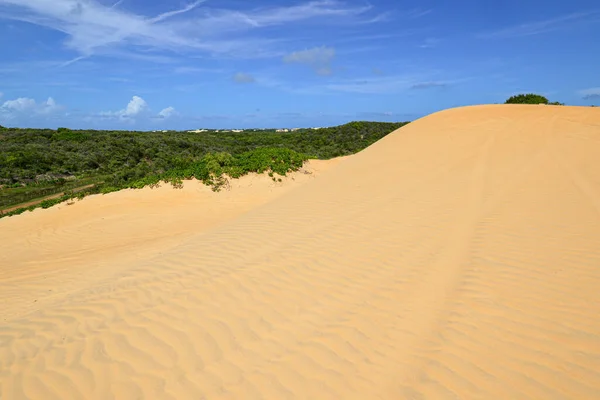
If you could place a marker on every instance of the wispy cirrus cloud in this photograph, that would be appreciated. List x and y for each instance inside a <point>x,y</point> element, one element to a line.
<point>94,28</point>
<point>91,26</point>
<point>543,26</point>
<point>218,20</point>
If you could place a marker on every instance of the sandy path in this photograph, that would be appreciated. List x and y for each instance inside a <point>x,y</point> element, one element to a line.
<point>456,258</point>
<point>42,199</point>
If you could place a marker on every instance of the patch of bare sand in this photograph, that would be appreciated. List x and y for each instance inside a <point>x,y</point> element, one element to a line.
<point>456,258</point>
<point>47,254</point>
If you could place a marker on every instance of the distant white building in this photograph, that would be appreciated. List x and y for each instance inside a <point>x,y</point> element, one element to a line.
<point>198,131</point>
<point>282,130</point>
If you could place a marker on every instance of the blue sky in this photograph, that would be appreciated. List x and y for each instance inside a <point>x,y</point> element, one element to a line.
<point>174,64</point>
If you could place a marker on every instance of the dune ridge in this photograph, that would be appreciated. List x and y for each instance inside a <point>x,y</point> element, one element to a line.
<point>455,258</point>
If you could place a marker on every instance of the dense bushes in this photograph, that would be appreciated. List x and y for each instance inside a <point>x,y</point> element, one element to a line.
<point>527,99</point>
<point>214,169</point>
<point>40,162</point>
<point>531,99</point>
<point>27,155</point>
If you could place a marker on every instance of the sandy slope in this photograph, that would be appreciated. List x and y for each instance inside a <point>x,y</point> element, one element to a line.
<point>47,254</point>
<point>456,258</point>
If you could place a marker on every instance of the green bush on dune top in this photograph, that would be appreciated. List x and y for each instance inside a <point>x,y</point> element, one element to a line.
<point>531,98</point>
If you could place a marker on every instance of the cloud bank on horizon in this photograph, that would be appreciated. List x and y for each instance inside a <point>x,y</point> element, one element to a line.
<point>160,64</point>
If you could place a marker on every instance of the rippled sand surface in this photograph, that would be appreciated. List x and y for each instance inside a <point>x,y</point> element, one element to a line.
<point>459,257</point>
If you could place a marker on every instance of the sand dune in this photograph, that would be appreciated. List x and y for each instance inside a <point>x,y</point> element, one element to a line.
<point>73,245</point>
<point>459,257</point>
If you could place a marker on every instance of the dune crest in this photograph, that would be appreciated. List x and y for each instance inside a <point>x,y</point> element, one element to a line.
<point>456,258</point>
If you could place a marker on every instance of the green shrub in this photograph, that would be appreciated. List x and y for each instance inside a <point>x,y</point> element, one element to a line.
<point>529,98</point>
<point>109,189</point>
<point>69,135</point>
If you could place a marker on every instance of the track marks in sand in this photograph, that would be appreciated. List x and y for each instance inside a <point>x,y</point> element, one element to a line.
<point>521,313</point>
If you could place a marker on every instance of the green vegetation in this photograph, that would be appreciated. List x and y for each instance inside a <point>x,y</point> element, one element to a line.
<point>36,163</point>
<point>18,193</point>
<point>214,168</point>
<point>527,99</point>
<point>531,98</point>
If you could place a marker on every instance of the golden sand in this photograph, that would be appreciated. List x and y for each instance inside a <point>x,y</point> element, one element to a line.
<point>458,257</point>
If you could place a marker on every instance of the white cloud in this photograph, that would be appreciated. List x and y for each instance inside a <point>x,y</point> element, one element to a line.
<point>26,105</point>
<point>590,94</point>
<point>19,105</point>
<point>318,58</point>
<point>166,113</point>
<point>117,4</point>
<point>262,17</point>
<point>49,106</point>
<point>135,107</point>
<point>543,26</point>
<point>241,77</point>
<point>92,27</point>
